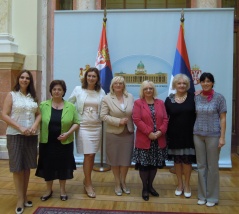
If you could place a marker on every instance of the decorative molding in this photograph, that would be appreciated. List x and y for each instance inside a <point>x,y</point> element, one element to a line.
<point>11,61</point>
<point>7,43</point>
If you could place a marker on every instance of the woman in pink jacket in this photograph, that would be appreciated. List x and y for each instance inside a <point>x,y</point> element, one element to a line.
<point>150,153</point>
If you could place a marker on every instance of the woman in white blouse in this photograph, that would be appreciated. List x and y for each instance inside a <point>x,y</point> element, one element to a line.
<point>21,113</point>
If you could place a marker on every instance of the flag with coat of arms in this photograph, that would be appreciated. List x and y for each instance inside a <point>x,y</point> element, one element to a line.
<point>103,61</point>
<point>181,62</point>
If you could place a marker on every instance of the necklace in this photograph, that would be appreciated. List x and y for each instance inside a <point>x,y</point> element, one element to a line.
<point>181,99</point>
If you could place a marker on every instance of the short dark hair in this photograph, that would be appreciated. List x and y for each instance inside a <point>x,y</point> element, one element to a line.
<point>84,80</point>
<point>58,82</point>
<point>30,89</point>
<point>207,75</point>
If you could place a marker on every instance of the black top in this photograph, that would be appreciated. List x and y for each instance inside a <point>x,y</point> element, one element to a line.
<point>181,121</point>
<point>55,125</point>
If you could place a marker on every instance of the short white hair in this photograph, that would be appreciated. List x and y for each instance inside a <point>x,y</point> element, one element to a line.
<point>143,84</point>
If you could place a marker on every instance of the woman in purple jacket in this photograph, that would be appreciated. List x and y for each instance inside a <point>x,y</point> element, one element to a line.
<point>150,118</point>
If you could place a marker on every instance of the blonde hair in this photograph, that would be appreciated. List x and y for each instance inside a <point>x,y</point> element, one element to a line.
<point>118,79</point>
<point>178,77</point>
<point>143,84</point>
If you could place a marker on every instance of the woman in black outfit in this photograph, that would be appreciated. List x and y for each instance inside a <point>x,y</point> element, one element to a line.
<point>180,108</point>
<point>59,121</point>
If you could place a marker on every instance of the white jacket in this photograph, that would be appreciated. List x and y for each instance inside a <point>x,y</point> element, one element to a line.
<point>78,97</point>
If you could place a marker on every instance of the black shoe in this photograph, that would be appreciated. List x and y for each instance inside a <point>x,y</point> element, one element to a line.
<point>19,210</point>
<point>154,193</point>
<point>28,204</point>
<point>63,197</point>
<point>45,198</point>
<point>145,195</point>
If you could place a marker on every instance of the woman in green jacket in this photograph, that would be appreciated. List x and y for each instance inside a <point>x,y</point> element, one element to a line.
<point>59,121</point>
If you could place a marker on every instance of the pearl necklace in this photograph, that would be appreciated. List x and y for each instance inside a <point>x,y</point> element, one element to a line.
<point>179,99</point>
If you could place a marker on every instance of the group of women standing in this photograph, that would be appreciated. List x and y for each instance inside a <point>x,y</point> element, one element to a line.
<point>186,129</point>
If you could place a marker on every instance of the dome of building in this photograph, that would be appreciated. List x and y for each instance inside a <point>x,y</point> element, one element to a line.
<point>140,65</point>
<point>140,69</point>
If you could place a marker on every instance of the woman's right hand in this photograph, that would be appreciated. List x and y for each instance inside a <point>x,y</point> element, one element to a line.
<point>123,121</point>
<point>152,136</point>
<point>24,130</point>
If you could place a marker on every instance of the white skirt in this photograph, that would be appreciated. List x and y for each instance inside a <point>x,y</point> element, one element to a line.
<point>89,135</point>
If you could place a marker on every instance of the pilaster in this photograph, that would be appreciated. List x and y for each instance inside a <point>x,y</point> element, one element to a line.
<point>6,39</point>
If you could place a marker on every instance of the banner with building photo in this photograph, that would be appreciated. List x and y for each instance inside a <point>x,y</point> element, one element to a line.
<point>142,47</point>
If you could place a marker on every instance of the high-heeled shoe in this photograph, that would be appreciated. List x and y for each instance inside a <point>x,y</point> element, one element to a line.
<point>45,198</point>
<point>118,191</point>
<point>89,192</point>
<point>125,189</point>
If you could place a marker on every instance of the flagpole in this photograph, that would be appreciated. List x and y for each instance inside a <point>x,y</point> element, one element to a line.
<point>182,19</point>
<point>102,167</point>
<point>182,16</point>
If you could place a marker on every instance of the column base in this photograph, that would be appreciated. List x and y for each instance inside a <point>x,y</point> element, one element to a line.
<point>3,148</point>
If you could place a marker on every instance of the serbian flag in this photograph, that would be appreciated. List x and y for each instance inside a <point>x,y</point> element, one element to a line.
<point>103,61</point>
<point>181,63</point>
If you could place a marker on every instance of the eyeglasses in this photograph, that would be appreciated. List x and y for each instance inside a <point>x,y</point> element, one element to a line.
<point>148,89</point>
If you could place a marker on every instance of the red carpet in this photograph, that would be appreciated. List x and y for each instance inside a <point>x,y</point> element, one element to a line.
<point>56,210</point>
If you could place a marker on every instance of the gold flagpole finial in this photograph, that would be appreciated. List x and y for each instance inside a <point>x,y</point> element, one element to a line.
<point>105,19</point>
<point>182,16</point>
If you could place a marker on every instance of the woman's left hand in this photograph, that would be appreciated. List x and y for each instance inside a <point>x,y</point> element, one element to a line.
<point>221,142</point>
<point>32,131</point>
<point>63,136</point>
<point>158,134</point>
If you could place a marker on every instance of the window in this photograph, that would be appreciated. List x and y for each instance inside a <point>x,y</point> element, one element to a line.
<point>64,4</point>
<point>145,4</point>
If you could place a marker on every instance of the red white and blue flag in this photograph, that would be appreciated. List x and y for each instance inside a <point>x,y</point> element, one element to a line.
<point>181,63</point>
<point>103,61</point>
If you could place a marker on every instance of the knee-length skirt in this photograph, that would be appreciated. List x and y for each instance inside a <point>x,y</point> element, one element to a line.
<point>119,148</point>
<point>22,151</point>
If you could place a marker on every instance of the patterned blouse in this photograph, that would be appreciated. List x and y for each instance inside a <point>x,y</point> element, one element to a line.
<point>208,115</point>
